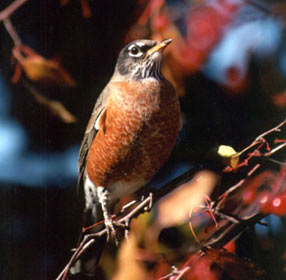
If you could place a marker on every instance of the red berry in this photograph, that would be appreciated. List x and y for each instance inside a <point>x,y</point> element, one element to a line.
<point>265,200</point>
<point>278,205</point>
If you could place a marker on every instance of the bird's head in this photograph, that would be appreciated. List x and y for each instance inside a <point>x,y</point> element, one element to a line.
<point>141,59</point>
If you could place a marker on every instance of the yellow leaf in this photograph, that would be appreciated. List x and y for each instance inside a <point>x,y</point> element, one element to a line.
<point>229,154</point>
<point>234,161</point>
<point>226,151</point>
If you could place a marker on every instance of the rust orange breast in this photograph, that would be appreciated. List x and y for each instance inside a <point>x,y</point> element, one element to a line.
<point>142,121</point>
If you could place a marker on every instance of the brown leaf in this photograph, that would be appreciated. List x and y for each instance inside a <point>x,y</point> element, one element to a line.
<point>128,268</point>
<point>86,11</point>
<point>279,99</point>
<point>41,70</point>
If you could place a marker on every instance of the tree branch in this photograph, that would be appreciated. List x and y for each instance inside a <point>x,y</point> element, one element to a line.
<point>12,32</point>
<point>7,12</point>
<point>226,233</point>
<point>143,206</point>
<point>260,139</point>
<point>233,227</point>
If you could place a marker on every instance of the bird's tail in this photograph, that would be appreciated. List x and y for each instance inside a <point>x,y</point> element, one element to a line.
<point>86,266</point>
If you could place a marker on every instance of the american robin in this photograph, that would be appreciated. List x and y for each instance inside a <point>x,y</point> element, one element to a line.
<point>132,130</point>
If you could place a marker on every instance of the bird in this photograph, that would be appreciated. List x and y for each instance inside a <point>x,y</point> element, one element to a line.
<point>131,133</point>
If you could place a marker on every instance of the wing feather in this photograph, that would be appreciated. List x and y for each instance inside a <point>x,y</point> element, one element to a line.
<point>97,116</point>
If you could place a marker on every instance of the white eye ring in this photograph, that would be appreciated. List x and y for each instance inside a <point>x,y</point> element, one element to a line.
<point>134,51</point>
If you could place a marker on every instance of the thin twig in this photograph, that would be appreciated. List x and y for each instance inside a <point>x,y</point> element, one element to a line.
<point>7,12</point>
<point>89,239</point>
<point>178,274</point>
<point>236,186</point>
<point>12,32</point>
<point>55,107</point>
<point>174,272</point>
<point>233,228</point>
<point>260,138</point>
<point>86,243</point>
<point>275,150</point>
<point>182,272</point>
<point>220,238</point>
<point>281,163</point>
<point>228,217</point>
<point>276,128</point>
<point>140,208</point>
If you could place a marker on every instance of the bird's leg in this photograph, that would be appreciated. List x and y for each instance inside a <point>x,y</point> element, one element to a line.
<point>103,198</point>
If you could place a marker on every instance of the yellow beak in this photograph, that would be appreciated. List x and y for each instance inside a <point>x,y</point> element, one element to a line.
<point>160,47</point>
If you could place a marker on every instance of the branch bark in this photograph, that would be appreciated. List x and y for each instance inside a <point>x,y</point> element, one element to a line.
<point>143,206</point>
<point>218,239</point>
<point>7,12</point>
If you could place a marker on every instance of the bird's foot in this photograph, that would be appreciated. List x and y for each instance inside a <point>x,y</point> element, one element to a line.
<point>111,233</point>
<point>110,224</point>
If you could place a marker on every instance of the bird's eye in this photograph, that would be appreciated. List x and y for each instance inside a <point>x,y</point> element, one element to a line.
<point>134,50</point>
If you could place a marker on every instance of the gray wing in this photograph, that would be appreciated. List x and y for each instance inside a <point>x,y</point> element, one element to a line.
<point>90,133</point>
<point>87,262</point>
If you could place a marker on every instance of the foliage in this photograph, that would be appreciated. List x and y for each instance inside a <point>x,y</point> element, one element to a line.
<point>227,62</point>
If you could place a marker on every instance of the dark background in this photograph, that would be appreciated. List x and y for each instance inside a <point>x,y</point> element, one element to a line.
<point>39,206</point>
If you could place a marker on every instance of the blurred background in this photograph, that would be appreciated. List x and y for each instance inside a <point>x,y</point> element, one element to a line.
<point>227,62</point>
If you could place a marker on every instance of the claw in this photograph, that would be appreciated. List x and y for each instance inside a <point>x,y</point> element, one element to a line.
<point>109,223</point>
<point>111,233</point>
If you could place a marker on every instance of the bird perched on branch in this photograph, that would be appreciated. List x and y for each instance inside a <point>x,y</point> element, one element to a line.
<point>130,135</point>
